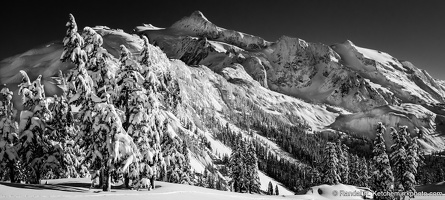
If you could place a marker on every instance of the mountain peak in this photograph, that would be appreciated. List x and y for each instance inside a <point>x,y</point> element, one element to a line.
<point>348,43</point>
<point>199,14</point>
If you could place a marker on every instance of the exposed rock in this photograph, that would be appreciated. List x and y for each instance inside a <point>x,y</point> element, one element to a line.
<point>255,68</point>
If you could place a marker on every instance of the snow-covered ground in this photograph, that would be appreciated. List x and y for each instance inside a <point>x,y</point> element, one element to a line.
<point>264,179</point>
<point>79,189</point>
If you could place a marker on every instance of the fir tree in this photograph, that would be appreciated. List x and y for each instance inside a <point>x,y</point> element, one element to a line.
<point>276,190</point>
<point>331,165</point>
<point>382,177</point>
<point>236,164</point>
<point>38,153</point>
<point>8,136</point>
<point>411,168</point>
<point>63,134</point>
<point>363,172</point>
<point>355,169</point>
<point>343,162</point>
<point>270,189</point>
<point>98,61</point>
<point>72,42</point>
<point>252,178</point>
<point>129,81</point>
<point>113,147</point>
<point>398,157</point>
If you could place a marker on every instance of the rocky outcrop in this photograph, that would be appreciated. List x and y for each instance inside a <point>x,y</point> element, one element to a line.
<point>254,67</point>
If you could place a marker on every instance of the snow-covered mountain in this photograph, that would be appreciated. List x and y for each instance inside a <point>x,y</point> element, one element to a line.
<point>343,75</point>
<point>221,72</point>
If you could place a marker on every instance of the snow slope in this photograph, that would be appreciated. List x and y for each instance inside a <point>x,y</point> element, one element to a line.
<point>79,189</point>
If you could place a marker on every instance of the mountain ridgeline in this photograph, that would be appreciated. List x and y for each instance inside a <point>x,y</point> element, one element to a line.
<point>198,104</point>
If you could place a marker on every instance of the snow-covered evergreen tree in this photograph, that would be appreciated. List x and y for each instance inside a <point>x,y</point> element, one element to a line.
<point>343,162</point>
<point>354,170</point>
<point>363,172</point>
<point>398,157</point>
<point>63,134</point>
<point>411,164</point>
<point>382,177</point>
<point>37,152</point>
<point>157,78</point>
<point>98,64</point>
<point>129,81</point>
<point>8,137</point>
<point>237,166</point>
<point>331,175</point>
<point>112,146</point>
<point>270,188</point>
<point>252,177</point>
<point>277,192</point>
<point>145,59</point>
<point>72,43</point>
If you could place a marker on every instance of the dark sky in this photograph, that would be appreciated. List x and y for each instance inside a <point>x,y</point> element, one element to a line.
<point>407,29</point>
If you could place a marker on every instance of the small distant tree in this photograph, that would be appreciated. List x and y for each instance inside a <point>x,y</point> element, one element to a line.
<point>276,190</point>
<point>237,171</point>
<point>270,188</point>
<point>253,180</point>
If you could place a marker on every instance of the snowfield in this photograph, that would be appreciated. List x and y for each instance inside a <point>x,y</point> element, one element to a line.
<point>79,189</point>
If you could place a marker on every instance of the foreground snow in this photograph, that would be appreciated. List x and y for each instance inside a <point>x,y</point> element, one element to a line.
<point>78,188</point>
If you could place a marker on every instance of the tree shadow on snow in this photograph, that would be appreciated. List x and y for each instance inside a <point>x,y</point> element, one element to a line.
<point>66,187</point>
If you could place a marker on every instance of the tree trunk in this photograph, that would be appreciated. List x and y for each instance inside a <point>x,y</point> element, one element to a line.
<point>152,182</point>
<point>127,112</point>
<point>37,180</point>
<point>11,172</point>
<point>127,181</point>
<point>106,180</point>
<point>101,176</point>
